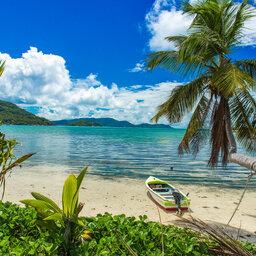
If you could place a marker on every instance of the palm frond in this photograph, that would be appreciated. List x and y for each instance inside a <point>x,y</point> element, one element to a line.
<point>181,100</point>
<point>230,78</point>
<point>164,59</point>
<point>243,111</point>
<point>177,40</point>
<point>224,244</point>
<point>248,66</point>
<point>195,134</point>
<point>243,13</point>
<point>206,14</point>
<point>2,66</point>
<point>206,44</point>
<point>171,61</point>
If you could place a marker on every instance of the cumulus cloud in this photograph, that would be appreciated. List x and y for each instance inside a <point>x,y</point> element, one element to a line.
<point>165,19</point>
<point>249,37</point>
<point>139,67</point>
<point>42,81</point>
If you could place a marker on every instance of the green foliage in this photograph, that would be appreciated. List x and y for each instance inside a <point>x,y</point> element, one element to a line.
<point>19,235</point>
<point>64,221</point>
<point>8,159</point>
<point>12,114</point>
<point>84,123</point>
<point>222,88</point>
<point>144,238</point>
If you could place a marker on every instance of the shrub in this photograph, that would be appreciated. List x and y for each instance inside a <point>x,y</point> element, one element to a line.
<point>62,221</point>
<point>7,158</point>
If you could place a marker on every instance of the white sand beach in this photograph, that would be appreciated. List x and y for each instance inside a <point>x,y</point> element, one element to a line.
<point>129,196</point>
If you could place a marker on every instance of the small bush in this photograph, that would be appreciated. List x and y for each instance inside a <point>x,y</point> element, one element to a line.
<point>19,234</point>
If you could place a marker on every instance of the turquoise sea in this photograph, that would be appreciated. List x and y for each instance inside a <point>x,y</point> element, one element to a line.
<point>121,152</point>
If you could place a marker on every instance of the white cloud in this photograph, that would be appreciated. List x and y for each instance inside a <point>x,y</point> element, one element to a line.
<point>249,37</point>
<point>139,67</point>
<point>164,19</point>
<point>42,81</point>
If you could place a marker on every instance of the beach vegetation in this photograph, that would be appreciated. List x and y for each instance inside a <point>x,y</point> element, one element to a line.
<point>111,235</point>
<point>65,220</point>
<point>219,95</point>
<point>8,160</point>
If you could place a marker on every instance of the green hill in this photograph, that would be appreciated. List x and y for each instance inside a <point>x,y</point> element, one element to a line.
<point>84,123</point>
<point>12,114</point>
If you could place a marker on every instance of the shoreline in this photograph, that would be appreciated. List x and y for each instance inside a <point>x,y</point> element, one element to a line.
<point>129,196</point>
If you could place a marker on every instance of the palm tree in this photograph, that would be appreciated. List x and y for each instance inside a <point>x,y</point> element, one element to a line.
<point>219,96</point>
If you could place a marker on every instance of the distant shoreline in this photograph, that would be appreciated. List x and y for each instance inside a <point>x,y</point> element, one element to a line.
<point>171,128</point>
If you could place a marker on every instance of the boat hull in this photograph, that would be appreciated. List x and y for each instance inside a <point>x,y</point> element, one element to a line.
<point>167,205</point>
<point>165,199</point>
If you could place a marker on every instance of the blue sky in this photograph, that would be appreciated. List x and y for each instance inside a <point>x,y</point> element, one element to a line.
<point>82,58</point>
<point>103,37</point>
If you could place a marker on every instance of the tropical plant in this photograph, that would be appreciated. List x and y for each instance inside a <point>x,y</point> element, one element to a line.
<point>51,216</point>
<point>6,149</point>
<point>7,159</point>
<point>219,96</point>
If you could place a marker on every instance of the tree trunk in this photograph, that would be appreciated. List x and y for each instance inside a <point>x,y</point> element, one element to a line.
<point>245,161</point>
<point>233,156</point>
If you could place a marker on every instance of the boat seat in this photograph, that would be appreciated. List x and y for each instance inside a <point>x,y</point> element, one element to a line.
<point>161,189</point>
<point>164,194</point>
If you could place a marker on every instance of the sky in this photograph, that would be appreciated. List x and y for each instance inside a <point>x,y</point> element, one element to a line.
<point>80,58</point>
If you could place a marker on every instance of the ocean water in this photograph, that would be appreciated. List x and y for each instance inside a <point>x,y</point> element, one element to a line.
<point>122,152</point>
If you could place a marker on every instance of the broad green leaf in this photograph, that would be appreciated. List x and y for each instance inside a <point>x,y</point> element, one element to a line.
<point>79,181</point>
<point>38,204</point>
<point>81,177</point>
<point>55,216</point>
<point>43,213</point>
<point>69,191</point>
<point>50,225</point>
<point>47,200</point>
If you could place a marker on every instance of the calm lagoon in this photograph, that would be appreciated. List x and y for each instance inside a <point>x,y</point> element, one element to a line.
<point>121,152</point>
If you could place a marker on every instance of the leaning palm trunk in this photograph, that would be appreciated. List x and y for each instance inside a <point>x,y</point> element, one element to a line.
<point>242,160</point>
<point>245,161</point>
<point>233,156</point>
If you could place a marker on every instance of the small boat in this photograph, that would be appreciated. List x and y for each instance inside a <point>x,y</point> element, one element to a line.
<point>162,194</point>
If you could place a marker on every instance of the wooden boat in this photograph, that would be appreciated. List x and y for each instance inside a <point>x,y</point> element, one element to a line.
<point>161,193</point>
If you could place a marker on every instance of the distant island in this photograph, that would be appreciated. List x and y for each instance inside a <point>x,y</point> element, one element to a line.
<point>12,114</point>
<point>111,122</point>
<point>84,123</point>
